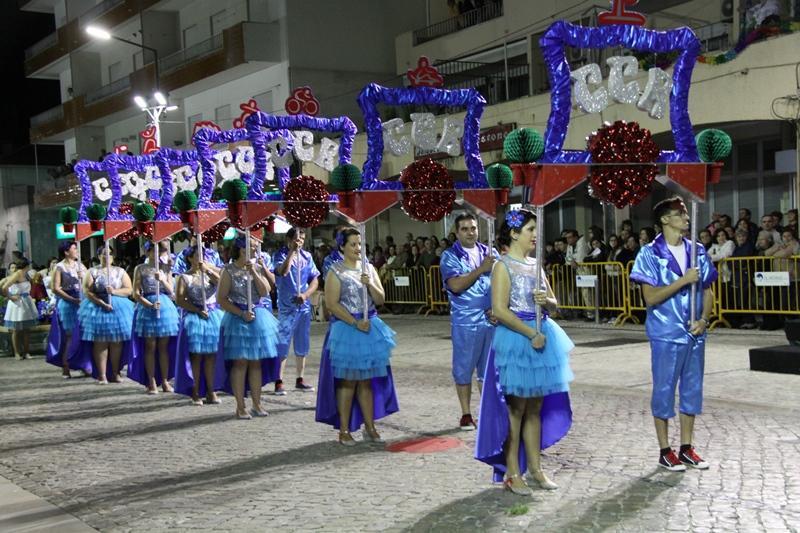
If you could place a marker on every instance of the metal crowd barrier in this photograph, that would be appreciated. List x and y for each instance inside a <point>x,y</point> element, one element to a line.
<point>437,297</point>
<point>408,286</point>
<point>591,287</point>
<point>756,286</point>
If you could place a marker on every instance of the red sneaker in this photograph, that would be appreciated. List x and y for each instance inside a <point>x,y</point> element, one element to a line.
<point>670,462</point>
<point>690,458</point>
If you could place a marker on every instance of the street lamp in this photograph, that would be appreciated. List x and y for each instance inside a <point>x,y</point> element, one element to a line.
<point>103,35</point>
<point>153,112</point>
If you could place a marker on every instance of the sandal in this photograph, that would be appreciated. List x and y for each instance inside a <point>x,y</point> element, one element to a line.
<point>346,439</point>
<point>542,480</point>
<point>525,490</point>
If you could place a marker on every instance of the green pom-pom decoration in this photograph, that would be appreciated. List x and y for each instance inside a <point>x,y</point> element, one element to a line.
<point>68,215</point>
<point>234,190</point>
<point>524,145</point>
<point>185,201</point>
<point>346,177</point>
<point>96,212</point>
<point>499,176</point>
<point>713,145</point>
<point>144,212</point>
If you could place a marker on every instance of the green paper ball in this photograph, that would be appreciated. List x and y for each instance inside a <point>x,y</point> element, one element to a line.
<point>96,212</point>
<point>713,145</point>
<point>68,215</point>
<point>143,212</point>
<point>185,201</point>
<point>524,145</point>
<point>499,176</point>
<point>346,177</point>
<point>234,190</point>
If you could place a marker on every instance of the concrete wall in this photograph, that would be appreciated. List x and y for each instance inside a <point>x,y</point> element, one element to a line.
<point>14,212</point>
<point>274,78</point>
<point>199,13</point>
<point>87,72</point>
<point>523,17</point>
<point>161,30</point>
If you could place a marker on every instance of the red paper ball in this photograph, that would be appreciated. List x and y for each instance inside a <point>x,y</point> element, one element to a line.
<point>216,232</point>
<point>429,193</point>
<point>622,142</point>
<point>305,202</point>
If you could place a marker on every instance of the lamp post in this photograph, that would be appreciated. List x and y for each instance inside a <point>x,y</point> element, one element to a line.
<point>153,112</point>
<point>103,35</point>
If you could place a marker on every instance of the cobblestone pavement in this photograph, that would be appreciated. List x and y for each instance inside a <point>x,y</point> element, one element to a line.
<point>119,460</point>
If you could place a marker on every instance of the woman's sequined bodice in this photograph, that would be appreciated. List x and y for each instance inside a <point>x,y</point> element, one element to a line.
<point>238,291</point>
<point>71,277</point>
<point>351,294</point>
<point>99,274</point>
<point>147,279</point>
<point>194,290</point>
<point>524,279</point>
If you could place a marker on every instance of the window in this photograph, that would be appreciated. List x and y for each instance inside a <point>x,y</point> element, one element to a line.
<point>747,158</point>
<point>264,101</point>
<point>191,35</point>
<point>115,71</point>
<point>222,114</point>
<point>190,122</point>
<point>770,147</point>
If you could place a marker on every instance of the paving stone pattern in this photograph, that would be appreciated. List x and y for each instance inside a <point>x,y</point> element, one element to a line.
<point>119,460</point>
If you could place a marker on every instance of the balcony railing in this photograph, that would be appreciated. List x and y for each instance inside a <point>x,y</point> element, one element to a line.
<point>54,113</point>
<point>187,55</point>
<point>108,90</point>
<point>96,11</point>
<point>490,79</point>
<point>491,10</point>
<point>42,45</point>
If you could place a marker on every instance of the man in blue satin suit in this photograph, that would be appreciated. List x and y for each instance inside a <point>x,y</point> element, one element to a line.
<point>466,267</point>
<point>294,310</point>
<point>677,346</point>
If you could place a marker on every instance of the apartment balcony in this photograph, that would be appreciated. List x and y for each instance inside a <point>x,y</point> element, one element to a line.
<point>489,11</point>
<point>72,35</point>
<point>238,45</point>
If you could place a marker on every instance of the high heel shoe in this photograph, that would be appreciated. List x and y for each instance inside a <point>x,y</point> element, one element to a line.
<point>372,436</point>
<point>525,490</point>
<point>346,439</point>
<point>542,480</point>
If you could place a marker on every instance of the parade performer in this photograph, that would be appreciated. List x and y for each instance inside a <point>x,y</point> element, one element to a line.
<point>335,256</point>
<point>296,277</point>
<point>65,327</point>
<point>21,314</point>
<point>249,331</point>
<point>198,345</point>
<point>106,315</point>
<point>355,356</point>
<point>181,264</point>
<point>156,323</point>
<point>525,395</point>
<point>466,268</point>
<point>677,346</point>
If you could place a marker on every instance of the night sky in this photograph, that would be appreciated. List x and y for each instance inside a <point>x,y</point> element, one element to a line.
<point>23,97</point>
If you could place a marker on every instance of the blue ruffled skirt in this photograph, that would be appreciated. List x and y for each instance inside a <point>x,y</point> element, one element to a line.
<point>356,355</point>
<point>67,313</point>
<point>148,325</point>
<point>97,324</point>
<point>250,340</point>
<point>202,335</point>
<point>529,373</point>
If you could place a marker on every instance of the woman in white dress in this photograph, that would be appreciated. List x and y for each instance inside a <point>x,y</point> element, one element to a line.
<point>21,314</point>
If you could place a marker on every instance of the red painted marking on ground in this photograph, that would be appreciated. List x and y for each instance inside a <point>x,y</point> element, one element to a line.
<point>425,445</point>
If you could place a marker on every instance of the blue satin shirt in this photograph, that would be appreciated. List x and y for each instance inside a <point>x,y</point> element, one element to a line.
<point>467,308</point>
<point>287,285</point>
<point>656,266</point>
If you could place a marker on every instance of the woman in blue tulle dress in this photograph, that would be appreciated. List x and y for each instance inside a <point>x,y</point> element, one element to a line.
<point>249,331</point>
<point>358,345</point>
<point>67,277</point>
<point>21,314</point>
<point>106,315</point>
<point>525,395</point>
<point>156,319</point>
<point>197,295</point>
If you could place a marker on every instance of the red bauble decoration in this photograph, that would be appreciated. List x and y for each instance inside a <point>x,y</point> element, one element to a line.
<point>216,232</point>
<point>429,194</point>
<point>622,142</point>
<point>305,202</point>
<point>126,208</point>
